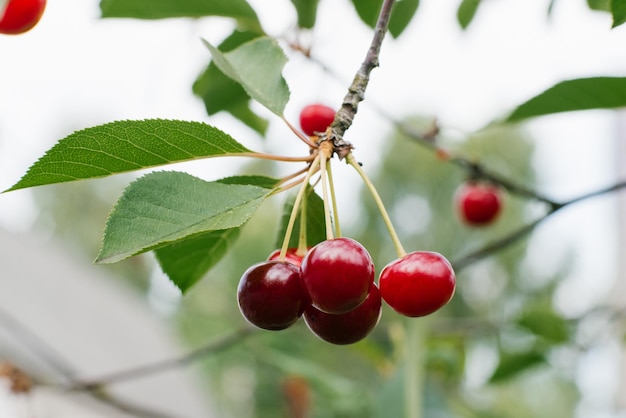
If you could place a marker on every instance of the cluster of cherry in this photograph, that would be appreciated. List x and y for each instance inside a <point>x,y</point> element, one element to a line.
<point>333,287</point>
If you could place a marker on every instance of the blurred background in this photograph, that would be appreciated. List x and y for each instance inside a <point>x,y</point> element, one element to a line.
<point>535,330</point>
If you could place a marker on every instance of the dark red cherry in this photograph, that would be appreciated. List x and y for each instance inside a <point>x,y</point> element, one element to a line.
<point>337,275</point>
<point>417,284</point>
<point>270,295</point>
<point>20,16</point>
<point>349,327</point>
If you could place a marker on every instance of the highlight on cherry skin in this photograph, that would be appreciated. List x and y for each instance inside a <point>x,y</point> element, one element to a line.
<point>417,284</point>
<point>337,275</point>
<point>20,16</point>
<point>349,327</point>
<point>270,295</point>
<point>316,118</point>
<point>478,203</point>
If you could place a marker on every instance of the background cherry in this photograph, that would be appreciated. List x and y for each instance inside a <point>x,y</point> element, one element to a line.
<point>316,118</point>
<point>21,16</point>
<point>478,203</point>
<point>270,295</point>
<point>337,275</point>
<point>291,256</point>
<point>349,327</point>
<point>417,284</point>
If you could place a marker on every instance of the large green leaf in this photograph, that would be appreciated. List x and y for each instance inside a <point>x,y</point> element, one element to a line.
<point>161,9</point>
<point>123,146</point>
<point>221,93</point>
<point>307,12</point>
<point>401,15</point>
<point>315,222</point>
<point>187,261</point>
<point>162,208</point>
<point>577,94</point>
<point>466,12</point>
<point>257,65</point>
<point>618,9</point>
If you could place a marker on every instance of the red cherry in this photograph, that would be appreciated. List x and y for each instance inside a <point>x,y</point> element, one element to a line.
<point>291,256</point>
<point>21,16</point>
<point>478,203</point>
<point>316,118</point>
<point>417,284</point>
<point>270,295</point>
<point>349,327</point>
<point>337,275</point>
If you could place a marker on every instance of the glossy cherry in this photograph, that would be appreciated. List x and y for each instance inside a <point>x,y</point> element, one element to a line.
<point>291,256</point>
<point>417,284</point>
<point>337,275</point>
<point>316,118</point>
<point>349,327</point>
<point>478,203</point>
<point>270,295</point>
<point>20,16</point>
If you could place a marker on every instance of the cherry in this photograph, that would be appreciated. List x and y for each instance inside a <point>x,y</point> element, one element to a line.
<point>337,275</point>
<point>417,284</point>
<point>270,295</point>
<point>20,16</point>
<point>349,327</point>
<point>316,118</point>
<point>478,203</point>
<point>291,256</point>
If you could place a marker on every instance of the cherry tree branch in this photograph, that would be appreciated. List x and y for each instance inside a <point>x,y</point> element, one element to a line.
<point>356,91</point>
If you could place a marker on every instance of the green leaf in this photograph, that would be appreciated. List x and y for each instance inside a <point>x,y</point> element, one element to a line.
<point>466,12</point>
<point>162,9</point>
<point>187,261</point>
<point>257,65</point>
<point>602,5</point>
<point>315,223</point>
<point>571,95</point>
<point>618,9</point>
<point>512,364</point>
<point>124,146</point>
<point>401,15</point>
<point>545,323</point>
<point>307,12</point>
<point>164,207</point>
<point>221,93</point>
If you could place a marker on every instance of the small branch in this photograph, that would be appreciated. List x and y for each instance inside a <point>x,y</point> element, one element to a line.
<point>356,91</point>
<point>161,366</point>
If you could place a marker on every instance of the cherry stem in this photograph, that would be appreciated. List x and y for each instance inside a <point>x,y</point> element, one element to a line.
<point>379,202</point>
<point>296,205</point>
<point>333,198</point>
<point>293,175</point>
<point>324,176</point>
<point>302,239</point>
<point>300,135</point>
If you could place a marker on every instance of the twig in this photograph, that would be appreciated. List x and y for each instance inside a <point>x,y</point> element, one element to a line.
<point>161,366</point>
<point>356,91</point>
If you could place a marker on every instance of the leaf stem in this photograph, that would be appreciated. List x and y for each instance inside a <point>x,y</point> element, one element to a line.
<point>273,157</point>
<point>300,135</point>
<point>379,202</point>
<point>296,205</point>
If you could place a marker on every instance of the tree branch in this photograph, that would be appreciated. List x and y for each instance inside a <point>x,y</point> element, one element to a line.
<point>356,91</point>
